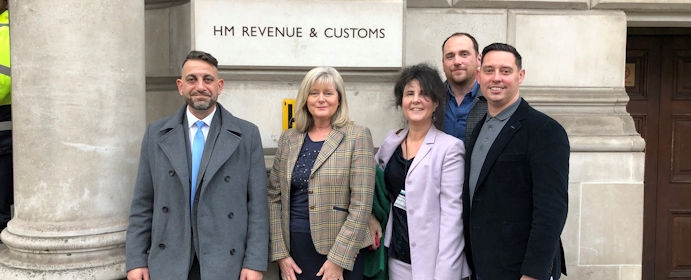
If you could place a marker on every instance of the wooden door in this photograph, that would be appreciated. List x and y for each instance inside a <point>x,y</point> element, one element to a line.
<point>659,87</point>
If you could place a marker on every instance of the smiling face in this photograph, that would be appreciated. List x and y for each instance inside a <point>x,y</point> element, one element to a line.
<point>322,101</point>
<point>200,86</point>
<point>500,79</point>
<point>417,108</point>
<point>460,60</point>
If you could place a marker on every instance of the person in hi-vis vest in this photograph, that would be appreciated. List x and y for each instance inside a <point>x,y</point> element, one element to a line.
<point>6,182</point>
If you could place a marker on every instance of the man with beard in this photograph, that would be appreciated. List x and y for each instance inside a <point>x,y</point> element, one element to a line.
<point>200,207</point>
<point>465,106</point>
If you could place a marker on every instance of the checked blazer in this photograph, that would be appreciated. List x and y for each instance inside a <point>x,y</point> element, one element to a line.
<point>340,192</point>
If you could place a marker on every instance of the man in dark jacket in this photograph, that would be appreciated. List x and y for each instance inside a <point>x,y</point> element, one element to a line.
<point>516,188</point>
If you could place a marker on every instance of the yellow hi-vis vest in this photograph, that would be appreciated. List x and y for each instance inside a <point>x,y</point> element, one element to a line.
<point>5,76</point>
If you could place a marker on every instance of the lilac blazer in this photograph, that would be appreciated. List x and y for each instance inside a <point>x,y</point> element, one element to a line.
<point>434,206</point>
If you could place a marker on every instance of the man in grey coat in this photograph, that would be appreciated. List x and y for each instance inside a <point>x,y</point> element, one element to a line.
<point>199,209</point>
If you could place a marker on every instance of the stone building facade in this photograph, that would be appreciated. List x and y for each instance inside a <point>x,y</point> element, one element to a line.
<point>88,76</point>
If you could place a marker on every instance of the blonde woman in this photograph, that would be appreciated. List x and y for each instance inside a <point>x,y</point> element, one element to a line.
<point>321,185</point>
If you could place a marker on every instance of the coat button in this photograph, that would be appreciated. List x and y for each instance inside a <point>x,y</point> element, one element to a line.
<point>227,179</point>
<point>164,209</point>
<point>232,252</point>
<point>312,207</point>
<point>171,173</point>
<point>161,246</point>
<point>230,215</point>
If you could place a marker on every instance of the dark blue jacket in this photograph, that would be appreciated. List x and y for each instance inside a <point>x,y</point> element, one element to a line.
<point>521,200</point>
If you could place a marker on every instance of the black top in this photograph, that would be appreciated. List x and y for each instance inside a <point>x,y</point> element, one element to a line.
<point>299,183</point>
<point>394,175</point>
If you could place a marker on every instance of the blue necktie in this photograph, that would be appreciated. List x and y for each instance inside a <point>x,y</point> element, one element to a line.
<point>197,151</point>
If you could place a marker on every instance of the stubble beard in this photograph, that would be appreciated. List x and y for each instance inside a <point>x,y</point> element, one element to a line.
<point>201,105</point>
<point>462,80</point>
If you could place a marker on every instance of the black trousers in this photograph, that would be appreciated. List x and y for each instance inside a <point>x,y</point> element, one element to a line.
<point>195,273</point>
<point>310,261</point>
<point>6,189</point>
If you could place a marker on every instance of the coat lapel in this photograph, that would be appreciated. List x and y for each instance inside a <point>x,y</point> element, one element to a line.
<point>389,146</point>
<point>330,144</point>
<point>512,126</point>
<point>173,142</point>
<point>226,135</point>
<point>425,148</point>
<point>294,146</point>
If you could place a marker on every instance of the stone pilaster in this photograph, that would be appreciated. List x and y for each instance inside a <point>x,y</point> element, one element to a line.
<point>78,111</point>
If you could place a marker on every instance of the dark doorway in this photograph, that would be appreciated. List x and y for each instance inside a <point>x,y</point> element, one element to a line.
<point>658,82</point>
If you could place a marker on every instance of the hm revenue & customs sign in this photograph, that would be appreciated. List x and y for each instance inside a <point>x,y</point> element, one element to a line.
<point>300,33</point>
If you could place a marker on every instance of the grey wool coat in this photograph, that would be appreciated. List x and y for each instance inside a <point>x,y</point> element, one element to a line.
<point>231,226</point>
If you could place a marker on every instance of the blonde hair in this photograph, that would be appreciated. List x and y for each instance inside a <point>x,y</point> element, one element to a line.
<point>303,118</point>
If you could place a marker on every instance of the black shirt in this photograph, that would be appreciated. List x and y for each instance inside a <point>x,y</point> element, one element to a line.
<point>394,175</point>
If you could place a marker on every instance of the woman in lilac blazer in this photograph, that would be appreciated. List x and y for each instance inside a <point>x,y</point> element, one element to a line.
<point>423,170</point>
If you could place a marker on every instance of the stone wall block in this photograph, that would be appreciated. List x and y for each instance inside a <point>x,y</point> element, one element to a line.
<point>78,113</point>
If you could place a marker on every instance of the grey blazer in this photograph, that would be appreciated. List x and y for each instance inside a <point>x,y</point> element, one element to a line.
<point>231,229</point>
<point>477,112</point>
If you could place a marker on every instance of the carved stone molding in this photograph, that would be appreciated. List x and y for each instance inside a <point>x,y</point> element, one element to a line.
<point>159,4</point>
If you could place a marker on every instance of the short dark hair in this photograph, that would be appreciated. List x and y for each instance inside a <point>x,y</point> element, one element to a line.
<point>475,46</point>
<point>200,55</point>
<point>430,86</point>
<point>504,48</point>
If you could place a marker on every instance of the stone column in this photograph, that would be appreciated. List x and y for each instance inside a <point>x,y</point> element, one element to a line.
<point>78,114</point>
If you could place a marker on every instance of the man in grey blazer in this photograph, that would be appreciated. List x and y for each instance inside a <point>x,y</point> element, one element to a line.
<point>214,227</point>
